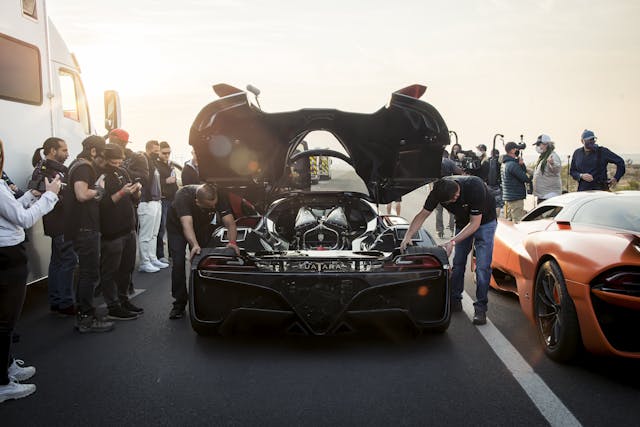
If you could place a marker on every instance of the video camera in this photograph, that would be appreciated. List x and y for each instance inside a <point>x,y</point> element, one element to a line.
<point>470,161</point>
<point>45,169</point>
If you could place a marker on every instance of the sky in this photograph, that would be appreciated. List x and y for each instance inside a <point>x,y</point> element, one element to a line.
<point>513,67</point>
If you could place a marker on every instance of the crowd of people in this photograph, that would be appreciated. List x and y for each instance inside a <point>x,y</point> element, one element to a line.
<point>473,194</point>
<point>111,203</point>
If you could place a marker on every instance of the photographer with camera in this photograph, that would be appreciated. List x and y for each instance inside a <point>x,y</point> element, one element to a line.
<point>63,258</point>
<point>514,180</point>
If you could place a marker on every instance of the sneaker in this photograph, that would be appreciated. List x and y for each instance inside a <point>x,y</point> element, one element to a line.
<point>176,313</point>
<point>159,264</point>
<point>20,372</point>
<point>480,318</point>
<point>127,305</point>
<point>164,259</point>
<point>15,390</point>
<point>90,323</point>
<point>68,311</point>
<point>456,305</point>
<point>119,313</point>
<point>147,267</point>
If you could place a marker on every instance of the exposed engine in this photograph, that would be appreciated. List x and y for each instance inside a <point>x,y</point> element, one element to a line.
<point>322,229</point>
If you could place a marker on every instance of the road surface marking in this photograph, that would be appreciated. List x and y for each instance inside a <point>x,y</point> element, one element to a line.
<point>549,405</point>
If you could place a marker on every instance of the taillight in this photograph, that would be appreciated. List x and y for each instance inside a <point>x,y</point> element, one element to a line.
<point>225,263</point>
<point>410,262</point>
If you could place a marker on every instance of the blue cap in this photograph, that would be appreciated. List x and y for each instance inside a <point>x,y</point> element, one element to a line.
<point>587,134</point>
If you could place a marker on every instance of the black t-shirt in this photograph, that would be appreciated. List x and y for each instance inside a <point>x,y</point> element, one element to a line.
<point>116,219</point>
<point>474,199</point>
<point>80,216</point>
<point>184,204</point>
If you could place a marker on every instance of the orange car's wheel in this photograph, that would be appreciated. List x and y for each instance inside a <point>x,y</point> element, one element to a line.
<point>556,318</point>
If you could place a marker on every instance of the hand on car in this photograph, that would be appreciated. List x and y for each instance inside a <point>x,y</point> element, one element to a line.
<point>194,251</point>
<point>234,247</point>
<point>404,244</point>
<point>448,247</point>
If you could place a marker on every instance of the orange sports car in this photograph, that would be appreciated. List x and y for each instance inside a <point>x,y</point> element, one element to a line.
<point>574,262</point>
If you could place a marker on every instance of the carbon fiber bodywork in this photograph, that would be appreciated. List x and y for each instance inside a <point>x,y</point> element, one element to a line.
<point>313,300</point>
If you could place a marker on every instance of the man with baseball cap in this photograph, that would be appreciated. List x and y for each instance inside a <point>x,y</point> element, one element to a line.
<point>84,191</point>
<point>546,174</point>
<point>589,165</point>
<point>134,163</point>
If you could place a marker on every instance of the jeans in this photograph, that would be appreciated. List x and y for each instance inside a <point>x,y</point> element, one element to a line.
<point>177,248</point>
<point>61,267</point>
<point>13,288</point>
<point>87,246</point>
<point>117,261</point>
<point>482,240</point>
<point>149,216</point>
<point>163,228</point>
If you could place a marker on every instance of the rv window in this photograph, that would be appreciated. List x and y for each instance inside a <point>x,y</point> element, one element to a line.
<point>74,105</point>
<point>29,8</point>
<point>20,79</point>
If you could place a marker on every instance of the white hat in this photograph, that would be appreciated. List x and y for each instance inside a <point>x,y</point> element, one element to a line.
<point>543,139</point>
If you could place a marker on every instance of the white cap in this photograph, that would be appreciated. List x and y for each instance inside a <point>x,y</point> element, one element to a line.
<point>543,139</point>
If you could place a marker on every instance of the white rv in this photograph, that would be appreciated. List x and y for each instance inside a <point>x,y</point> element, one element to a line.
<point>41,95</point>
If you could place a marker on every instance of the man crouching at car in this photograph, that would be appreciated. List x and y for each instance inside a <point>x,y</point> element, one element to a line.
<point>469,199</point>
<point>189,221</point>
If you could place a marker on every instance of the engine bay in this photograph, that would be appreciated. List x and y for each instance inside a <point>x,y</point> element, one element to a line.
<point>310,222</point>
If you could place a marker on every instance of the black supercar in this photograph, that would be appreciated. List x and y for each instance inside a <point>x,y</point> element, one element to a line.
<point>319,262</point>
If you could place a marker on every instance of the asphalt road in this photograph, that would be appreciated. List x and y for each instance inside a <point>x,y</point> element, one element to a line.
<point>156,371</point>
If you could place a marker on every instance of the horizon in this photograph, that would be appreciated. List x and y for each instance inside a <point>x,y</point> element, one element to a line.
<point>490,66</point>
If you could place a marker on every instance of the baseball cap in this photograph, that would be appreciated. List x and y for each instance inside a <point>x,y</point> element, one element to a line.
<point>121,134</point>
<point>113,152</point>
<point>481,147</point>
<point>543,139</point>
<point>510,146</point>
<point>587,134</point>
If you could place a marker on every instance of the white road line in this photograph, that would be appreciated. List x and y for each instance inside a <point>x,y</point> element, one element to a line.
<point>549,405</point>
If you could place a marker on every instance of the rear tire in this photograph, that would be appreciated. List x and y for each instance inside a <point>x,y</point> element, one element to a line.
<point>203,329</point>
<point>556,320</point>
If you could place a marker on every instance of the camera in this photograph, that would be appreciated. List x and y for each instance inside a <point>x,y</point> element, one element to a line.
<point>521,145</point>
<point>470,161</point>
<point>45,169</point>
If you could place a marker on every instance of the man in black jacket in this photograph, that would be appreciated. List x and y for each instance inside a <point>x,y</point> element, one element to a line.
<point>589,165</point>
<point>118,241</point>
<point>63,258</point>
<point>169,187</point>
